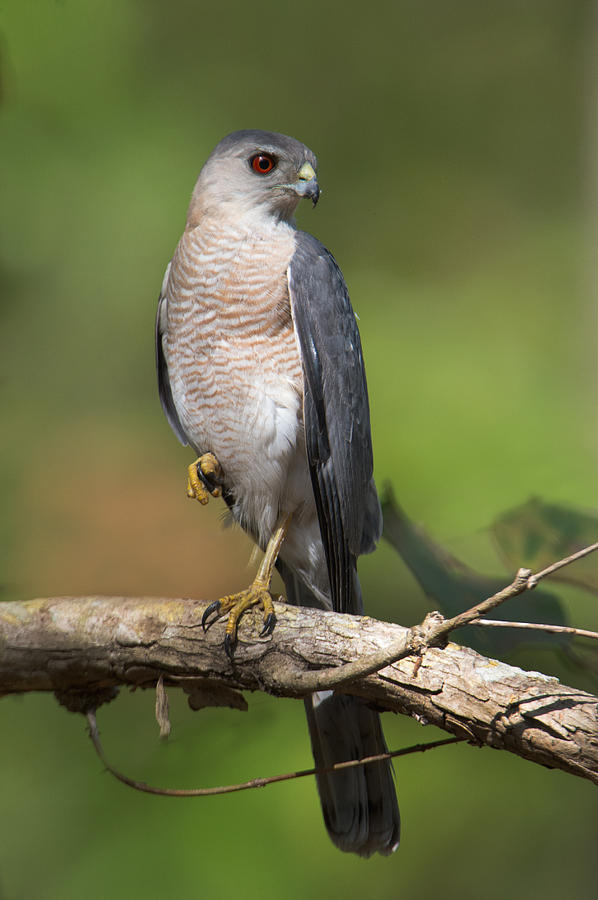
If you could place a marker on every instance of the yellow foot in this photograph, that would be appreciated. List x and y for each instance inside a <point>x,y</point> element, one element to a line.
<point>204,479</point>
<point>235,605</point>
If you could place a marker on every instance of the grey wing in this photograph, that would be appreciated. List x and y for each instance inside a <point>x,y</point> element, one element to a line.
<point>336,414</point>
<point>166,398</point>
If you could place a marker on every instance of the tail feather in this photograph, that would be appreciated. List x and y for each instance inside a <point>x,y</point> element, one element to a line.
<point>359,804</point>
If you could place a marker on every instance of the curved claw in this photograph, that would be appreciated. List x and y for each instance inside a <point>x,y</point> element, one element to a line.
<point>229,645</point>
<point>204,478</point>
<point>212,608</point>
<point>269,625</point>
<point>208,479</point>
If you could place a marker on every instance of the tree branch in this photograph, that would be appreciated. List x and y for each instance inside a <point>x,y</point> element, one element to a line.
<point>78,647</point>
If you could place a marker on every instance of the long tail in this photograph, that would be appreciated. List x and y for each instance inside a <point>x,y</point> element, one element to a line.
<point>359,804</point>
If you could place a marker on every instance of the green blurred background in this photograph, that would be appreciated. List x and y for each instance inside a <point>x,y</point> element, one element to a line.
<point>457,150</point>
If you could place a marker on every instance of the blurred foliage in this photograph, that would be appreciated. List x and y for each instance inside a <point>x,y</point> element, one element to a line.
<point>451,586</point>
<point>538,534</point>
<point>454,587</point>
<point>456,157</point>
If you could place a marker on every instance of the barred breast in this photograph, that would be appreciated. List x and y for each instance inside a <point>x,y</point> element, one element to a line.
<point>234,365</point>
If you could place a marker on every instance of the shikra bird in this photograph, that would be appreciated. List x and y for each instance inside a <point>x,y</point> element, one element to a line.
<point>261,372</point>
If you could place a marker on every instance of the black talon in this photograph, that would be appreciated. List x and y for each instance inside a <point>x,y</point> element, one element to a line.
<point>269,625</point>
<point>213,607</point>
<point>229,646</point>
<point>210,482</point>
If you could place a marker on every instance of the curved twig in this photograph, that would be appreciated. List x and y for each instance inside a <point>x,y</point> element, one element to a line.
<point>254,782</point>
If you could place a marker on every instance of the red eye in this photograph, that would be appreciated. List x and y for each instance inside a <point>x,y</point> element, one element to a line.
<point>262,163</point>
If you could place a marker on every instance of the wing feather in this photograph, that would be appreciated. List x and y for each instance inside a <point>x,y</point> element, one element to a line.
<point>336,413</point>
<point>166,398</point>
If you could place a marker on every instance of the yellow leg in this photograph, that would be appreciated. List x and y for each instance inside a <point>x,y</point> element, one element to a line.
<point>201,486</point>
<point>258,592</point>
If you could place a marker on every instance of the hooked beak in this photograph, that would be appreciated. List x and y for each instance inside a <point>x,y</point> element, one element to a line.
<point>307,184</point>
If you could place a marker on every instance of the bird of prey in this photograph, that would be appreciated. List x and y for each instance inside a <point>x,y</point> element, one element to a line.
<point>261,372</point>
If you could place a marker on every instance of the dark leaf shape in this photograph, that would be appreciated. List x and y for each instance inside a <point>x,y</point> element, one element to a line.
<point>453,587</point>
<point>537,534</point>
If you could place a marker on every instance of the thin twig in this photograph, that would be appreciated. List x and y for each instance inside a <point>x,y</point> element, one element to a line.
<point>433,630</point>
<point>255,782</point>
<point>519,585</point>
<point>536,626</point>
<point>534,579</point>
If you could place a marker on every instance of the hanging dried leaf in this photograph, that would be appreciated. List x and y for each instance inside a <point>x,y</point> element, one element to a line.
<point>162,708</point>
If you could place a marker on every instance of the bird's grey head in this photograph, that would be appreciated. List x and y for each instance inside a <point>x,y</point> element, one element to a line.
<point>255,172</point>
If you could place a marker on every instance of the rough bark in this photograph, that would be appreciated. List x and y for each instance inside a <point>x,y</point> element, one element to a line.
<point>84,647</point>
